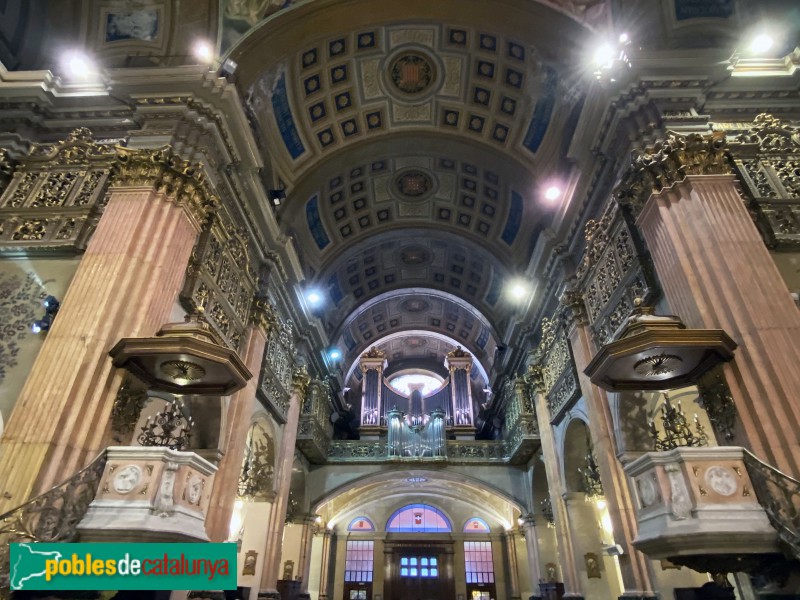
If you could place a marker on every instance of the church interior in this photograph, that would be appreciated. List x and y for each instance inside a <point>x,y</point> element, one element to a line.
<point>452,299</point>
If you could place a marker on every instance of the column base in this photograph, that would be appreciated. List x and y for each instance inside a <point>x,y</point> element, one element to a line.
<point>269,595</point>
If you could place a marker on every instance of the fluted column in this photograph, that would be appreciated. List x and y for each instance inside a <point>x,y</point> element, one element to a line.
<point>125,286</point>
<point>634,566</point>
<point>717,273</point>
<point>304,566</point>
<point>555,485</point>
<point>532,546</point>
<point>324,567</point>
<point>513,566</point>
<point>283,480</point>
<point>240,411</point>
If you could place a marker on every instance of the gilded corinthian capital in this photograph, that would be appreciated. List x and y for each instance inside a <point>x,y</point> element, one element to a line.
<point>263,314</point>
<point>168,173</point>
<point>300,381</point>
<point>668,162</point>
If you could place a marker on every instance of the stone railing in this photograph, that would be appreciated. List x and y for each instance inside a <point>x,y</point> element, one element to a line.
<point>779,495</point>
<point>50,517</point>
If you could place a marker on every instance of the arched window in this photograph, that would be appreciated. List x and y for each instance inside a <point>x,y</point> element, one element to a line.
<point>361,524</point>
<point>476,525</point>
<point>418,518</point>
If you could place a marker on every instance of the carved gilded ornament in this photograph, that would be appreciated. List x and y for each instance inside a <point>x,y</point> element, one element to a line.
<point>263,314</point>
<point>168,173</point>
<point>300,380</point>
<point>575,307</point>
<point>373,353</point>
<point>669,162</point>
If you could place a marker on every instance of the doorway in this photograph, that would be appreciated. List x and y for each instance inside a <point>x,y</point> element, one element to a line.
<point>417,571</point>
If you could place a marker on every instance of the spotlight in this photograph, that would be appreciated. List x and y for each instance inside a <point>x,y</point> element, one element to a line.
<point>334,354</point>
<point>203,51</point>
<point>51,306</point>
<point>761,43</point>
<point>552,193</point>
<point>624,38</point>
<point>313,297</point>
<point>603,56</point>
<point>276,197</point>
<point>518,290</point>
<point>78,65</point>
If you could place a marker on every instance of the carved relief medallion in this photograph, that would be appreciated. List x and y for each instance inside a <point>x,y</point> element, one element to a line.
<point>127,478</point>
<point>721,480</point>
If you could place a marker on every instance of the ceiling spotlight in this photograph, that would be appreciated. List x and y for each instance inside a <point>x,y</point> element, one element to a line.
<point>335,354</point>
<point>624,38</point>
<point>604,55</point>
<point>203,51</point>
<point>314,297</point>
<point>78,65</point>
<point>518,290</point>
<point>552,193</point>
<point>761,43</point>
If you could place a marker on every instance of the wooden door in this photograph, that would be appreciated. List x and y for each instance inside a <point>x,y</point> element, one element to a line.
<point>420,572</point>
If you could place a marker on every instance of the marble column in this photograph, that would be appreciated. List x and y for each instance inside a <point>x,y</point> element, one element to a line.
<point>634,566</point>
<point>240,411</point>
<point>304,566</point>
<point>532,546</point>
<point>717,273</point>
<point>324,567</point>
<point>555,485</point>
<point>125,286</point>
<point>283,480</point>
<point>513,566</point>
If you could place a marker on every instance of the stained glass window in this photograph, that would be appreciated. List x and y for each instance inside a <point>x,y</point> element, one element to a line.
<point>419,518</point>
<point>419,566</point>
<point>476,525</point>
<point>361,524</point>
<point>478,557</point>
<point>358,561</point>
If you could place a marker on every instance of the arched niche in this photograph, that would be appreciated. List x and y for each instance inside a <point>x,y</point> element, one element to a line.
<point>256,481</point>
<point>574,450</point>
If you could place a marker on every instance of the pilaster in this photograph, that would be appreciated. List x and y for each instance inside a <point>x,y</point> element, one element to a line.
<point>283,479</point>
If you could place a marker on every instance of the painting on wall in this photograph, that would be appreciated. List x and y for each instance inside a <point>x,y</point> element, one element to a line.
<point>141,24</point>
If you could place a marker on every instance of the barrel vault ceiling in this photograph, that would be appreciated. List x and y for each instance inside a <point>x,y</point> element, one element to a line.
<point>412,151</point>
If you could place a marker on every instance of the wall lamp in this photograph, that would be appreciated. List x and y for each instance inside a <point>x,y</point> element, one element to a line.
<point>51,306</point>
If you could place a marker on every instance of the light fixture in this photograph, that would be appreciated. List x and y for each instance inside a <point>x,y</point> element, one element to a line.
<point>603,56</point>
<point>313,297</point>
<point>203,51</point>
<point>276,197</point>
<point>51,306</point>
<point>334,354</point>
<point>518,290</point>
<point>78,65</point>
<point>761,43</point>
<point>553,192</point>
<point>610,58</point>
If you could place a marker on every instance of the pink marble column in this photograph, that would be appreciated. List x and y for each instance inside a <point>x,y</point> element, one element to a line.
<point>240,411</point>
<point>634,566</point>
<point>283,480</point>
<point>304,566</point>
<point>125,286</point>
<point>717,273</point>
